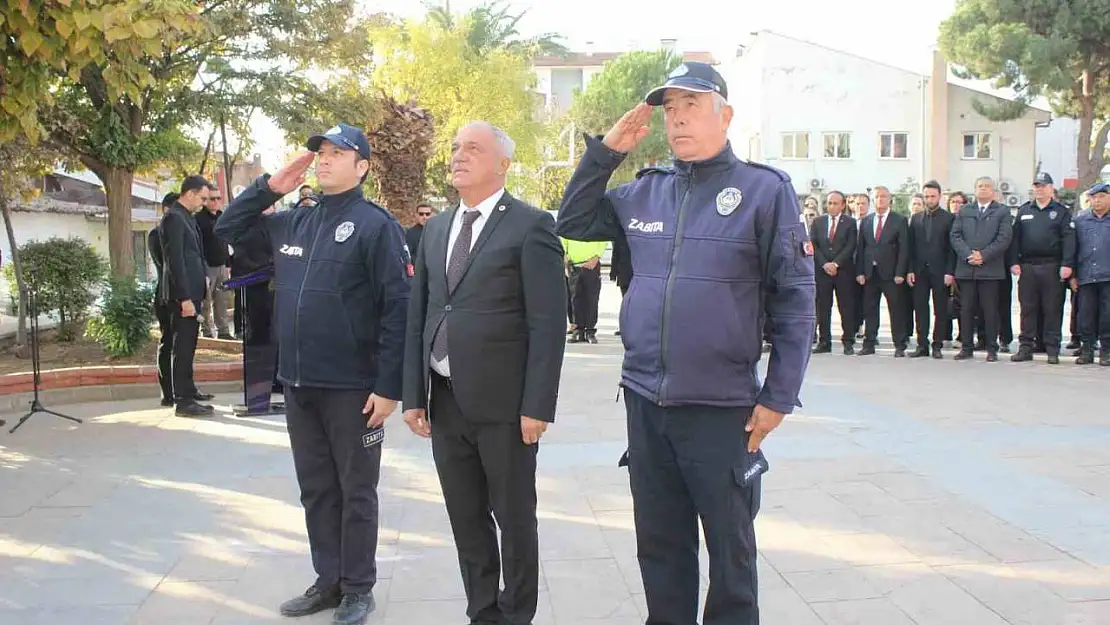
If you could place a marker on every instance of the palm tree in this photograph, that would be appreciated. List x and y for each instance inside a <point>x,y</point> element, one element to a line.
<point>490,26</point>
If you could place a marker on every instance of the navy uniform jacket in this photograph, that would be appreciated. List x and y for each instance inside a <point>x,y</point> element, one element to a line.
<point>341,283</point>
<point>1042,235</point>
<point>1092,247</point>
<point>715,246</point>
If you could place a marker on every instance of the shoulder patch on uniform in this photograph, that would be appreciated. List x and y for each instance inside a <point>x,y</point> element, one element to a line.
<point>782,175</point>
<point>653,170</point>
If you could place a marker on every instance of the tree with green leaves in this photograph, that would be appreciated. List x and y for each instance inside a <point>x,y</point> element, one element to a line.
<point>619,87</point>
<point>112,82</point>
<point>1058,49</point>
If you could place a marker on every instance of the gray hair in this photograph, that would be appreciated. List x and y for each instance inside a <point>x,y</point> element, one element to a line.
<point>719,102</point>
<point>508,146</point>
<point>987,179</point>
<point>880,188</point>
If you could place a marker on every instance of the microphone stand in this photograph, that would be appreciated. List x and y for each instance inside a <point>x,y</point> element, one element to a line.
<point>36,365</point>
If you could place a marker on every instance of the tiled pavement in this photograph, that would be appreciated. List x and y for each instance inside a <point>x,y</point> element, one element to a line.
<point>905,492</point>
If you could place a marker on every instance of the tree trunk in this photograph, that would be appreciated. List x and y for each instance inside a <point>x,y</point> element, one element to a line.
<point>117,185</point>
<point>1084,165</point>
<point>17,266</point>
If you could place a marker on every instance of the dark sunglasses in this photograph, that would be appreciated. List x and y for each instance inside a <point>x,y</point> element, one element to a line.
<point>425,214</point>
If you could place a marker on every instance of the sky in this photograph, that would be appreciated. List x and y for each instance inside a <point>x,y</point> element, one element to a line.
<point>897,32</point>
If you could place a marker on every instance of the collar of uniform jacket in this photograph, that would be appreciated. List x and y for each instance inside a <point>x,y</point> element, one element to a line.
<point>340,199</point>
<point>724,160</point>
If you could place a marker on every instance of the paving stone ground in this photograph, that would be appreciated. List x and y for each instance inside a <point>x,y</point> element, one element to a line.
<point>904,492</point>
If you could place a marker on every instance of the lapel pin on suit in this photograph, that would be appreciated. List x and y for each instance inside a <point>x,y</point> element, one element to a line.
<point>501,208</point>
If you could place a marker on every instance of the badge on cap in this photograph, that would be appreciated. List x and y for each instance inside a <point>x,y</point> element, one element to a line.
<point>344,231</point>
<point>335,130</point>
<point>681,70</point>
<point>728,200</point>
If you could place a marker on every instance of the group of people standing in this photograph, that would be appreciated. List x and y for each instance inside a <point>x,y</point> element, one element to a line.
<point>938,266</point>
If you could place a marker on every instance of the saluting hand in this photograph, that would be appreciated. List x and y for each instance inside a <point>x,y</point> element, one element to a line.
<point>417,420</point>
<point>379,408</point>
<point>762,421</point>
<point>293,174</point>
<point>629,130</point>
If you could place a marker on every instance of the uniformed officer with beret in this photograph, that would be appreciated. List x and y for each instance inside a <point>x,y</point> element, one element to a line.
<point>1092,274</point>
<point>1041,253</point>
<point>711,229</point>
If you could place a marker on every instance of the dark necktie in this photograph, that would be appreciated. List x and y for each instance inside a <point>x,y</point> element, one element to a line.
<point>832,230</point>
<point>879,228</point>
<point>455,267</point>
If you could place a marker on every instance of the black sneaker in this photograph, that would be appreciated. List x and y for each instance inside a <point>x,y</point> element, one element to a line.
<point>920,352</point>
<point>1073,344</point>
<point>963,355</point>
<point>822,348</point>
<point>312,601</point>
<point>167,402</point>
<point>1085,357</point>
<point>1023,355</point>
<point>1053,359</point>
<point>937,354</point>
<point>194,410</point>
<point>849,350</point>
<point>867,350</point>
<point>577,337</point>
<point>591,337</point>
<point>900,352</point>
<point>353,609</point>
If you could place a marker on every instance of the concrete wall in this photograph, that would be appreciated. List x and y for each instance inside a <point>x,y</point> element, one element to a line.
<point>1057,146</point>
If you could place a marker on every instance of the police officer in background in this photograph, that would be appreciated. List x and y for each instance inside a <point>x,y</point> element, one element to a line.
<point>341,277</point>
<point>710,229</point>
<point>1041,254</point>
<point>1092,275</point>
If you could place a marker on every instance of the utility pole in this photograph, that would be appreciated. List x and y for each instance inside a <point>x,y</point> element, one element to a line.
<point>227,162</point>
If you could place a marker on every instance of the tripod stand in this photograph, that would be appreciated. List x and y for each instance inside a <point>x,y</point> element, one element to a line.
<point>36,365</point>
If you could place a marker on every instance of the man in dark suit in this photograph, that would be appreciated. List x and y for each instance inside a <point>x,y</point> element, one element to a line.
<point>183,288</point>
<point>424,212</point>
<point>882,260</point>
<point>161,311</point>
<point>834,236</point>
<point>491,273</point>
<point>980,237</point>
<point>932,269</point>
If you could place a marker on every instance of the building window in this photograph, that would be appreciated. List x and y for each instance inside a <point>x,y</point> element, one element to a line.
<point>795,145</point>
<point>893,144</point>
<point>838,145</point>
<point>977,145</point>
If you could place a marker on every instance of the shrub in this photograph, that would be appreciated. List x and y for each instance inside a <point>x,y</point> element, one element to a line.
<point>122,324</point>
<point>66,272</point>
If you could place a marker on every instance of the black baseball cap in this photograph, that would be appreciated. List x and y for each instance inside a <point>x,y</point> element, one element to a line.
<point>1042,178</point>
<point>690,76</point>
<point>344,136</point>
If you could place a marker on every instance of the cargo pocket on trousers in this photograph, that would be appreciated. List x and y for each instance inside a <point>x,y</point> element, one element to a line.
<point>749,480</point>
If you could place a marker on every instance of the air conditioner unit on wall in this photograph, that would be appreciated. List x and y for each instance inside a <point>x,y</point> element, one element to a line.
<point>817,183</point>
<point>1013,200</point>
<point>1005,186</point>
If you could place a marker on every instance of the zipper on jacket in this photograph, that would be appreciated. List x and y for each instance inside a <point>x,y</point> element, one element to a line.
<point>300,292</point>
<point>675,249</point>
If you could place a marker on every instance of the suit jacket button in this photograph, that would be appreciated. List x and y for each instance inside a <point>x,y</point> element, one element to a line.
<point>447,308</point>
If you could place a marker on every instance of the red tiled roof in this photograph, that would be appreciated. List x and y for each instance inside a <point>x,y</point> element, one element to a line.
<point>597,59</point>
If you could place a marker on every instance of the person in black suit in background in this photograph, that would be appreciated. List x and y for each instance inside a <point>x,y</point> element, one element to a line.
<point>413,235</point>
<point>980,237</point>
<point>932,269</point>
<point>183,287</point>
<point>490,272</point>
<point>882,260</point>
<point>161,311</point>
<point>834,237</point>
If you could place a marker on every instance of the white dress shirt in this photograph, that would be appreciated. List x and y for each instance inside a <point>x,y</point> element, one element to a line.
<point>485,208</point>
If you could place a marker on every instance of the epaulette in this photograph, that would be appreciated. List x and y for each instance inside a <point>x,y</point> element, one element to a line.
<point>780,174</point>
<point>654,170</point>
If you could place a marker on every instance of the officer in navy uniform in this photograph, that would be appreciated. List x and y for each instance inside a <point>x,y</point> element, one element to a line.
<point>710,229</point>
<point>341,285</point>
<point>1092,275</point>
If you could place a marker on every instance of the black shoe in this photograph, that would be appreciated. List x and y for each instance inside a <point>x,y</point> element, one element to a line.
<point>617,333</point>
<point>992,356</point>
<point>1023,355</point>
<point>900,352</point>
<point>168,402</point>
<point>964,355</point>
<point>591,337</point>
<point>1004,348</point>
<point>822,348</point>
<point>937,354</point>
<point>226,336</point>
<point>203,396</point>
<point>312,601</point>
<point>1085,357</point>
<point>868,350</point>
<point>920,352</point>
<point>193,409</point>
<point>849,350</point>
<point>1073,344</point>
<point>1053,359</point>
<point>578,337</point>
<point>353,609</point>
<point>277,389</point>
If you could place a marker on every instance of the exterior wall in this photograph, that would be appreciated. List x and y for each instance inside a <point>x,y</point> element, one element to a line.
<point>1013,145</point>
<point>813,90</point>
<point>41,226</point>
<point>1057,146</point>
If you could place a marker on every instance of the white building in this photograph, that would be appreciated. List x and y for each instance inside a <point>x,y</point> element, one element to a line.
<point>834,120</point>
<point>1057,146</point>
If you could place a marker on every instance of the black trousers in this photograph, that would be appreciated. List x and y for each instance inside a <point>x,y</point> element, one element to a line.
<point>586,286</point>
<point>1073,325</point>
<point>1040,294</point>
<point>487,473</point>
<point>1094,314</point>
<point>185,331</point>
<point>1005,312</point>
<point>979,296</point>
<point>570,301</point>
<point>688,463</point>
<point>908,306</point>
<point>843,285</point>
<point>872,289</point>
<point>338,462</point>
<point>859,308</point>
<point>929,288</point>
<point>259,345</point>
<point>165,349</point>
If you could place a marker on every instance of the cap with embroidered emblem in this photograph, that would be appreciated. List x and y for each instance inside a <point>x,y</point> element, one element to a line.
<point>690,76</point>
<point>343,135</point>
<point>1042,178</point>
<point>1101,187</point>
